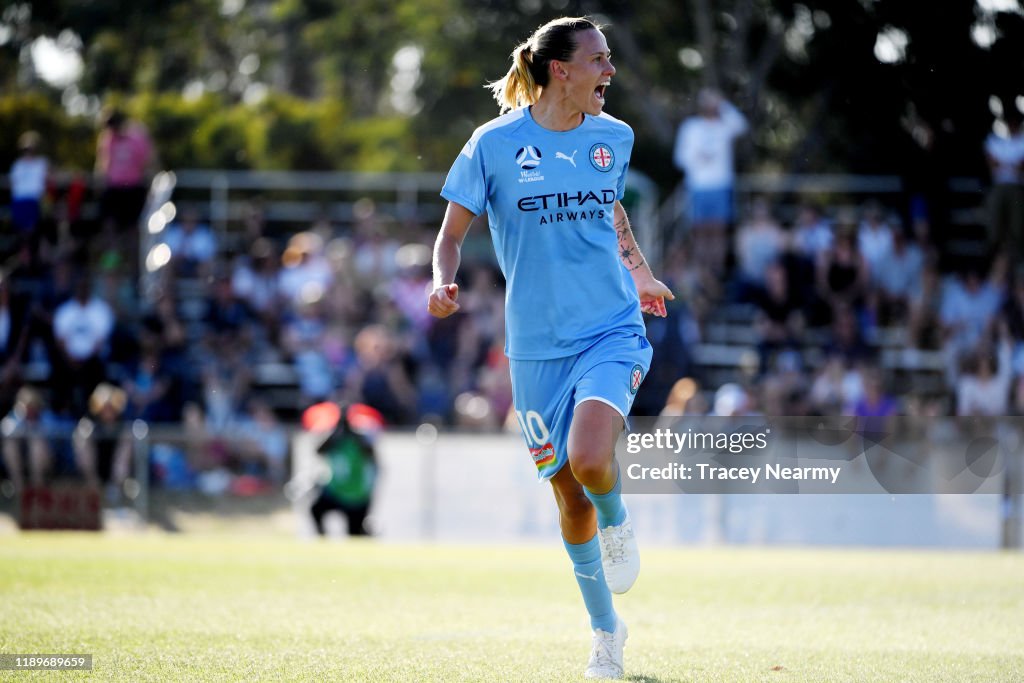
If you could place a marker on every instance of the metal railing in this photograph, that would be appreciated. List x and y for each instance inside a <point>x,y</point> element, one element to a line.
<point>301,197</point>
<point>401,193</point>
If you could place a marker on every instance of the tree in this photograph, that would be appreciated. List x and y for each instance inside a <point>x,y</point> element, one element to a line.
<point>828,86</point>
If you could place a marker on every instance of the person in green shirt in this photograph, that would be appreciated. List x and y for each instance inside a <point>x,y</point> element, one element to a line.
<point>352,462</point>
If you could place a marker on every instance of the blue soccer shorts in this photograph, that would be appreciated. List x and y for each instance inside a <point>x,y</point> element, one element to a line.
<point>545,393</point>
<point>707,206</point>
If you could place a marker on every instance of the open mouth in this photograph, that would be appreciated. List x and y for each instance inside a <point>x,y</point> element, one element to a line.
<point>599,91</point>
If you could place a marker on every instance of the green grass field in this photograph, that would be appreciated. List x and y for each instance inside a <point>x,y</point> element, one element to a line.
<point>212,608</point>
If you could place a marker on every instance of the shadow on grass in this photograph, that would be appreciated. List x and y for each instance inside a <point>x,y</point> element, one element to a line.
<point>165,506</point>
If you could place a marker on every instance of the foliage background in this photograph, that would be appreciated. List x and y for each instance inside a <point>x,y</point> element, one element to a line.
<point>863,86</point>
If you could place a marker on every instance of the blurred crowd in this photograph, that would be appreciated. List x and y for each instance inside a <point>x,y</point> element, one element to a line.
<point>847,316</point>
<point>246,328</point>
<point>846,309</point>
<point>243,330</point>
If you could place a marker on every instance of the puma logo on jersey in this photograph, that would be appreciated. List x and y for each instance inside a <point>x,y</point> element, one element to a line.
<point>570,159</point>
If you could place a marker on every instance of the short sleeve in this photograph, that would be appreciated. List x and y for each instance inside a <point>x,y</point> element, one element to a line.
<point>627,153</point>
<point>620,189</point>
<point>466,183</point>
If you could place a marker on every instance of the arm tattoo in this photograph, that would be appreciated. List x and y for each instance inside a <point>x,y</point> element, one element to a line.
<point>621,227</point>
<point>628,251</point>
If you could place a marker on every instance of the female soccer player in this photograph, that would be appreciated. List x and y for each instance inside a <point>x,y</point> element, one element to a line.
<point>551,173</point>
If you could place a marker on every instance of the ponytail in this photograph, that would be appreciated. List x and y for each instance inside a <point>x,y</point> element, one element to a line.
<point>528,76</point>
<point>518,88</point>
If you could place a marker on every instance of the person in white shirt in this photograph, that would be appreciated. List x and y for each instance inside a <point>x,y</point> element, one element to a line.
<point>1004,150</point>
<point>983,390</point>
<point>968,311</point>
<point>812,234</point>
<point>704,152</point>
<point>82,326</point>
<point>193,245</point>
<point>254,280</point>
<point>874,236</point>
<point>760,241</point>
<point>28,183</point>
<point>897,279</point>
<point>306,273</point>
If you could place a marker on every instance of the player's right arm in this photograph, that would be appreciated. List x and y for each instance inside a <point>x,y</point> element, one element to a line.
<point>447,255</point>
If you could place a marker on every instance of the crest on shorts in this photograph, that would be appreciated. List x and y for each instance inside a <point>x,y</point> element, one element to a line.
<point>636,376</point>
<point>601,157</point>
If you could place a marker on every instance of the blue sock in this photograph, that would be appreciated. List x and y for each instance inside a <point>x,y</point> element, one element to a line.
<point>610,510</point>
<point>586,564</point>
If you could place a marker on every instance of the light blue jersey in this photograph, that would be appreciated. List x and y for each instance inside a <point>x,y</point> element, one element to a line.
<point>549,198</point>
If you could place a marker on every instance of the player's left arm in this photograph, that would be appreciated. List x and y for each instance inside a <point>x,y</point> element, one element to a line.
<point>652,291</point>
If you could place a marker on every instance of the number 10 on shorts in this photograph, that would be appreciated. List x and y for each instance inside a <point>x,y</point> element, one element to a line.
<point>538,437</point>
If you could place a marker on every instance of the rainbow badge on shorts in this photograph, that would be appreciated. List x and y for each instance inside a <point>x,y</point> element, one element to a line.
<point>543,456</point>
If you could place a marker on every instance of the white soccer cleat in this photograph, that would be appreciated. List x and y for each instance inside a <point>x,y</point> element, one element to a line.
<point>606,656</point>
<point>620,556</point>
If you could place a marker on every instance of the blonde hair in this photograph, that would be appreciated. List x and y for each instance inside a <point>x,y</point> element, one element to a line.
<point>528,75</point>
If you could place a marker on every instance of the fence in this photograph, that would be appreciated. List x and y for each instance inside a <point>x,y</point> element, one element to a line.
<point>293,198</point>
<point>451,486</point>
